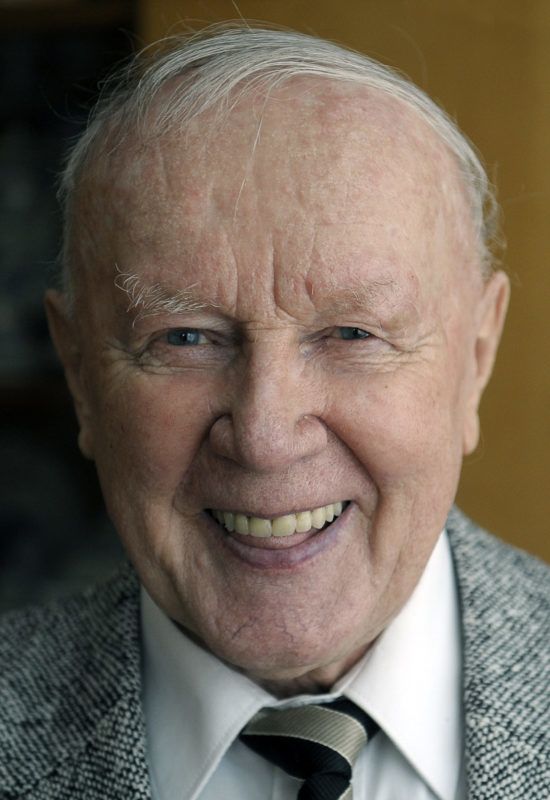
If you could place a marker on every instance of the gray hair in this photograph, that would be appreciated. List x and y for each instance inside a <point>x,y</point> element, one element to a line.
<point>215,68</point>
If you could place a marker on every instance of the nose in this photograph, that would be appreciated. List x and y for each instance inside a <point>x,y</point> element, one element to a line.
<point>273,415</point>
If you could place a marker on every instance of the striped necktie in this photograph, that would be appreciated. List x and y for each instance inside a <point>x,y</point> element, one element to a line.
<point>317,743</point>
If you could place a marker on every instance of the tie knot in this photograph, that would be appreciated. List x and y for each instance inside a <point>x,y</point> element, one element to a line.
<point>317,743</point>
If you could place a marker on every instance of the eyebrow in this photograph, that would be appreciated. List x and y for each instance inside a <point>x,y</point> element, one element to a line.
<point>361,295</point>
<point>156,299</point>
<point>148,301</point>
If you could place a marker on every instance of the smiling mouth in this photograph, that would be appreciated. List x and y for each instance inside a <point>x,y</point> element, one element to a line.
<point>316,519</point>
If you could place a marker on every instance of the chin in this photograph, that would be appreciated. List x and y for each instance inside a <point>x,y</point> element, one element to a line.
<point>281,656</point>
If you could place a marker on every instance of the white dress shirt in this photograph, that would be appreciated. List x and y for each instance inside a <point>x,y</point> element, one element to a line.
<point>409,682</point>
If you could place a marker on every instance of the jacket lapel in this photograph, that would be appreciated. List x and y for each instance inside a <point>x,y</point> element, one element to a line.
<point>111,765</point>
<point>505,637</point>
<point>76,723</point>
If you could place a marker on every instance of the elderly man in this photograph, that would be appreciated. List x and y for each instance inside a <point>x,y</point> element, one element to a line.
<point>277,321</point>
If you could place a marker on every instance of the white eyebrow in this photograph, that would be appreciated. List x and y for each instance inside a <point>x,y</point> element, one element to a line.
<point>157,299</point>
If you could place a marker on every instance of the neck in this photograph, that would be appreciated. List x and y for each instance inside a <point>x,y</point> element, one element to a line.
<point>319,680</point>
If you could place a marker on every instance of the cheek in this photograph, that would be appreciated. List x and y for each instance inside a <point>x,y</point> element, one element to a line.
<point>400,426</point>
<point>147,430</point>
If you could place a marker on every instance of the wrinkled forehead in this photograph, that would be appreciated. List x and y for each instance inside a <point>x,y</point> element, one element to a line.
<point>322,136</point>
<point>340,155</point>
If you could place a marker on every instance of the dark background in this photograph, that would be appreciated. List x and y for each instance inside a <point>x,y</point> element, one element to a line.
<point>54,535</point>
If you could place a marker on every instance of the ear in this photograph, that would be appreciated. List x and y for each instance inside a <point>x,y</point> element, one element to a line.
<point>490,321</point>
<point>64,333</point>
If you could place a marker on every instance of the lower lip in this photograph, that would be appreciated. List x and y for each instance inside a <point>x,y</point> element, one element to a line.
<point>285,554</point>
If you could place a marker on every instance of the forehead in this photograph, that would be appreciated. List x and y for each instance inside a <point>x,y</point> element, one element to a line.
<point>327,177</point>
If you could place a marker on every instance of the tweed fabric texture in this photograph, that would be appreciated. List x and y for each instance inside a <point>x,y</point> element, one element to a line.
<point>505,606</point>
<point>71,724</point>
<point>71,720</point>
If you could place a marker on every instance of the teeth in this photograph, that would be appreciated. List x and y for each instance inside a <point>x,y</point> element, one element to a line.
<point>286,525</point>
<point>259,527</point>
<point>228,519</point>
<point>241,523</point>
<point>303,521</point>
<point>318,518</point>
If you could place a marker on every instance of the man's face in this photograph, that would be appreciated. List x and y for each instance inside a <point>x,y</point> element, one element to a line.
<point>322,346</point>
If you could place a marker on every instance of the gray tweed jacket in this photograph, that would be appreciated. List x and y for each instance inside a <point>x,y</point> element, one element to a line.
<point>71,722</point>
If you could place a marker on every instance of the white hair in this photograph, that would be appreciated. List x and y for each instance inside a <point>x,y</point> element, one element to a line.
<point>215,68</point>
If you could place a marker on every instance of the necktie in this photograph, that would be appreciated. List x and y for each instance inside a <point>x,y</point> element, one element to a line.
<point>318,743</point>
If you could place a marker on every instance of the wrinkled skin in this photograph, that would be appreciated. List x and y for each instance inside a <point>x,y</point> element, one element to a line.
<point>342,211</point>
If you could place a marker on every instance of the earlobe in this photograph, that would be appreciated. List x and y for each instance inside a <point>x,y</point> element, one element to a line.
<point>470,437</point>
<point>490,322</point>
<point>64,336</point>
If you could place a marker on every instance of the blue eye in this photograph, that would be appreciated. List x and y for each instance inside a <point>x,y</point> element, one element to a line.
<point>183,337</point>
<point>353,333</point>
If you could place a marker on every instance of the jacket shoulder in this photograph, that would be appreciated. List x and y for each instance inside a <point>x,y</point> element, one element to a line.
<point>28,632</point>
<point>64,667</point>
<point>505,606</point>
<point>504,576</point>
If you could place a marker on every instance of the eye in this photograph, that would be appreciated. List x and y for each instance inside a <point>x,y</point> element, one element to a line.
<point>353,333</point>
<point>185,337</point>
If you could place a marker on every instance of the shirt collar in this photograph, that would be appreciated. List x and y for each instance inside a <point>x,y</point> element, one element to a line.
<point>409,681</point>
<point>191,697</point>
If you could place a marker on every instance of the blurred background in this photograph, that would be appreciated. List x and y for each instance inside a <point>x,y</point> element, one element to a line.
<point>487,62</point>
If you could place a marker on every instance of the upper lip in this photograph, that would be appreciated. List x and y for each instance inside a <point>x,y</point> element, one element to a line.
<point>271,514</point>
